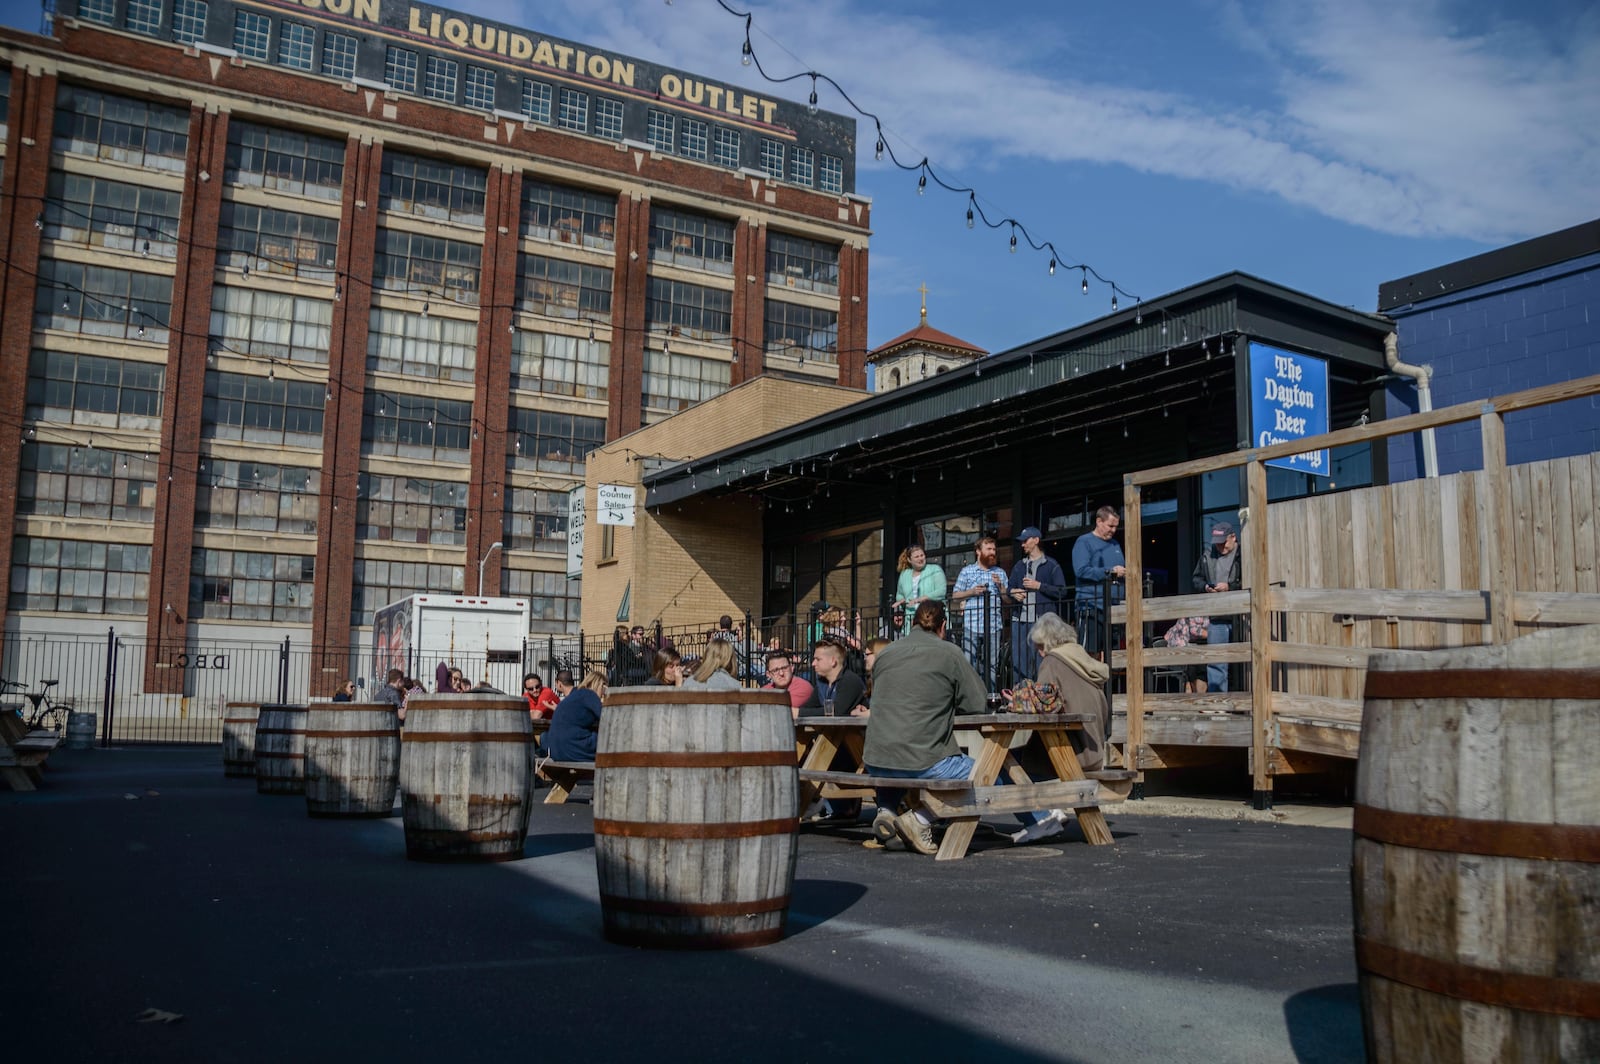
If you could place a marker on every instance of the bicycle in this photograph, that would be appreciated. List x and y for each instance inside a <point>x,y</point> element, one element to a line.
<point>47,713</point>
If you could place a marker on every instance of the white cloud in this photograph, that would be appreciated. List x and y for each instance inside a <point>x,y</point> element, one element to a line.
<point>1395,120</point>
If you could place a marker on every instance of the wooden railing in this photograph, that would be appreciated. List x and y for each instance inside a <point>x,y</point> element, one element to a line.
<point>1498,604</point>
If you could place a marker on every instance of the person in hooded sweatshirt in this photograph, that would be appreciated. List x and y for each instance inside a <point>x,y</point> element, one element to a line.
<point>1081,680</point>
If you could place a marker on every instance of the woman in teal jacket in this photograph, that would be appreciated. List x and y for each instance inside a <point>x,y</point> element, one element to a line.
<point>919,583</point>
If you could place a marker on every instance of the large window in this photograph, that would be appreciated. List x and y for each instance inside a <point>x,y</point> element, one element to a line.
<point>64,481</point>
<point>113,214</point>
<point>608,118</point>
<point>283,160</point>
<point>480,88</point>
<point>693,143</point>
<point>439,79</point>
<point>297,43</point>
<point>252,34</point>
<point>411,510</point>
<point>417,426</point>
<point>258,496</point>
<point>241,406</point>
<point>797,262</point>
<point>802,166</point>
<point>549,442</point>
<point>832,179</point>
<point>727,148</point>
<point>100,301</point>
<point>274,241</point>
<point>76,576</point>
<point>339,54</point>
<point>568,215</point>
<point>120,129</point>
<point>251,321</point>
<point>552,599</point>
<point>561,288</point>
<point>435,346</point>
<point>536,100</point>
<point>432,188</point>
<point>536,520</point>
<point>685,239</point>
<point>560,365</point>
<point>689,309</point>
<point>772,159</point>
<point>400,69</point>
<point>189,20</point>
<point>101,11</point>
<point>660,127</point>
<point>144,16</point>
<point>809,332</point>
<point>69,389</point>
<point>675,382</point>
<point>574,110</point>
<point>251,586</point>
<point>378,583</point>
<point>412,262</point>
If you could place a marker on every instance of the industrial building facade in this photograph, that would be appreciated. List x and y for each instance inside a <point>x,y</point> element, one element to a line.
<point>308,306</point>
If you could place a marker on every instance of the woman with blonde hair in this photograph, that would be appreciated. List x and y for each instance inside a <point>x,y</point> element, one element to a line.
<point>575,725</point>
<point>715,672</point>
<point>919,582</point>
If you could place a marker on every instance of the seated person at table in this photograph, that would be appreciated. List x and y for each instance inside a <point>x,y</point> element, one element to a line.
<point>834,681</point>
<point>919,684</point>
<point>575,727</point>
<point>666,670</point>
<point>541,699</point>
<point>1081,681</point>
<point>781,677</point>
<point>715,672</point>
<point>873,648</point>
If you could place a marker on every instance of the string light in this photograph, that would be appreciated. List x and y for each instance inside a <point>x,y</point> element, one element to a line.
<point>922,183</point>
<point>969,213</point>
<point>1085,280</point>
<point>1052,265</point>
<point>1013,238</point>
<point>811,103</point>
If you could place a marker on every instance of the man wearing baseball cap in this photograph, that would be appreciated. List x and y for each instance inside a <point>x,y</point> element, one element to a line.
<point>1218,570</point>
<point>1038,585</point>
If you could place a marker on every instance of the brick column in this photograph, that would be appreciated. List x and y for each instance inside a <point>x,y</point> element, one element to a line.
<point>853,315</point>
<point>629,290</point>
<point>334,587</point>
<point>749,300</point>
<point>27,173</point>
<point>172,542</point>
<point>491,395</point>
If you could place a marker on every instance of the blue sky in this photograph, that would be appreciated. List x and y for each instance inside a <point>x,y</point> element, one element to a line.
<point>1327,145</point>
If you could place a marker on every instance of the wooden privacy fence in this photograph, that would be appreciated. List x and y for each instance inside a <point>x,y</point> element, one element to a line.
<point>1475,557</point>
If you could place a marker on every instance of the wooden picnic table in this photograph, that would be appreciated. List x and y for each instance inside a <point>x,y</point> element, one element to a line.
<point>819,740</point>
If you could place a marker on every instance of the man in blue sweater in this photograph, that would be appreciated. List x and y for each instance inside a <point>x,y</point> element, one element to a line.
<point>1097,561</point>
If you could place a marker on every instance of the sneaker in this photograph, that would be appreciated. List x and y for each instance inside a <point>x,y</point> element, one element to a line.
<point>817,810</point>
<point>1046,827</point>
<point>918,836</point>
<point>883,828</point>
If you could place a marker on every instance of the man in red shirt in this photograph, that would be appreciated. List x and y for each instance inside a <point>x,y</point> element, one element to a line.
<point>780,675</point>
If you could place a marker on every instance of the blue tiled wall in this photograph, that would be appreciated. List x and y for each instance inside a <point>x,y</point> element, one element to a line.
<point>1536,328</point>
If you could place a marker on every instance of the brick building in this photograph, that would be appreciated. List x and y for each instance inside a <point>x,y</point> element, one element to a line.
<point>1513,318</point>
<point>328,299</point>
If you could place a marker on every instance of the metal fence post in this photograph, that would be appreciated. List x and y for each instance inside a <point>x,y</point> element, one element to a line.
<point>108,702</point>
<point>283,672</point>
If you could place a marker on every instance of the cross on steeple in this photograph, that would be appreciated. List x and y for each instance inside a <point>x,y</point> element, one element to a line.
<point>924,290</point>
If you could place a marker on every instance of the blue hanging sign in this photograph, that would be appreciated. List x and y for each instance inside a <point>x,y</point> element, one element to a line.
<point>1289,401</point>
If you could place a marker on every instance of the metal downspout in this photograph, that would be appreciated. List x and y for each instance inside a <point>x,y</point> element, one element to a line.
<point>1420,374</point>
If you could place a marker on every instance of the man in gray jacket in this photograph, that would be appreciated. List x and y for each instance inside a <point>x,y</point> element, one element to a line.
<point>1218,570</point>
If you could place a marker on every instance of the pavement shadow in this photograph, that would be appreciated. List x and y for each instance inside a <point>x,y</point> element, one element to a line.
<point>1319,1025</point>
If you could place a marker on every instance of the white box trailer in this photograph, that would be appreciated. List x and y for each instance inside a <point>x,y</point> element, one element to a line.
<point>483,637</point>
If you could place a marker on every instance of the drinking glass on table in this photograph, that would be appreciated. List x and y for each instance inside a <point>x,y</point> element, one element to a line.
<point>827,706</point>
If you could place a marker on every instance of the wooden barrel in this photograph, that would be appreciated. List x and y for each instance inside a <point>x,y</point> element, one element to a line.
<point>239,740</point>
<point>352,759</point>
<point>281,750</point>
<point>695,817</point>
<point>81,729</point>
<point>466,777</point>
<point>1476,865</point>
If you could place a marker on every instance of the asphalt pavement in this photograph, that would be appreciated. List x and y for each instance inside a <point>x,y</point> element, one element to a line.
<point>158,911</point>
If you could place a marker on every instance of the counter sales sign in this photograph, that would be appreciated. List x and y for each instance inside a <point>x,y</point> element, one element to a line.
<point>1289,401</point>
<point>614,505</point>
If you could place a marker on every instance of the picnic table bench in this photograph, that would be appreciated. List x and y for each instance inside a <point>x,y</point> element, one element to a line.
<point>23,752</point>
<point>563,776</point>
<point>964,802</point>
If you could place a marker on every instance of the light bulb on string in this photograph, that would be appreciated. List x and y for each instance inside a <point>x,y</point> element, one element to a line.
<point>1085,284</point>
<point>246,270</point>
<point>1124,430</point>
<point>1138,313</point>
<point>1113,302</point>
<point>969,214</point>
<point>746,53</point>
<point>922,183</point>
<point>1052,265</point>
<point>1013,238</point>
<point>811,101</point>
<point>145,249</point>
<point>877,152</point>
<point>38,221</point>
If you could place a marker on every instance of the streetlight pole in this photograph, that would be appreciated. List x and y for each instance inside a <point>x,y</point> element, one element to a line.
<point>496,545</point>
